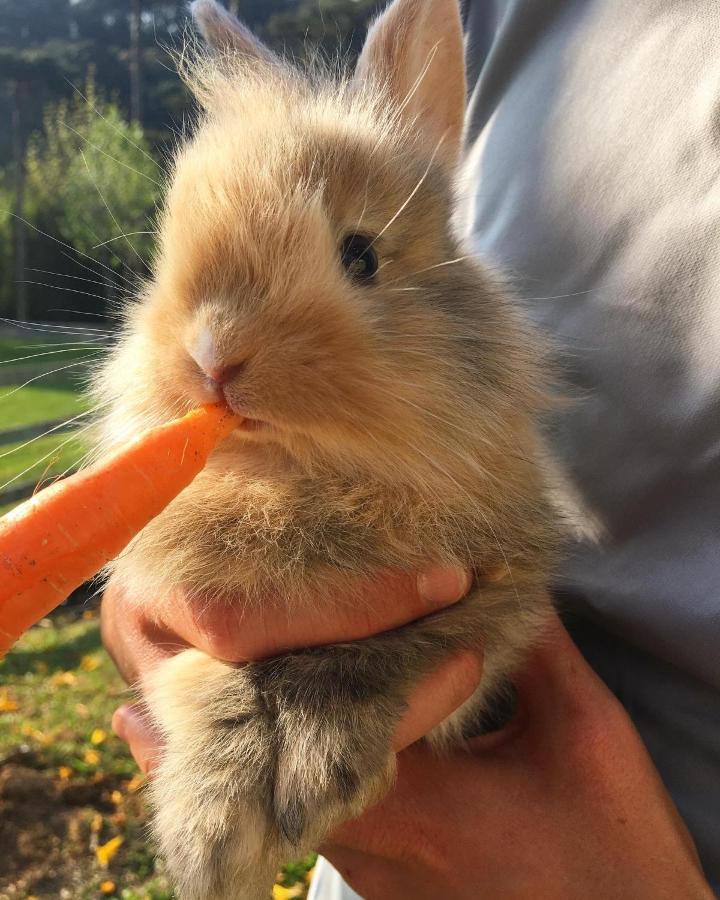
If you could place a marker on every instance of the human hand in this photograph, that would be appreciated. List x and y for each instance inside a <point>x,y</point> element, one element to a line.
<point>564,804</point>
<point>140,637</point>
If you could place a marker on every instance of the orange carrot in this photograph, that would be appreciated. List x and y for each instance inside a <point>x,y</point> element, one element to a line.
<point>65,534</point>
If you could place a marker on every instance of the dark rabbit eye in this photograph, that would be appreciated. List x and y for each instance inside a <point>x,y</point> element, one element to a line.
<point>358,257</point>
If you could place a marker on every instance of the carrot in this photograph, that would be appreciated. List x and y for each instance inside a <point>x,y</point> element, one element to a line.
<point>65,534</point>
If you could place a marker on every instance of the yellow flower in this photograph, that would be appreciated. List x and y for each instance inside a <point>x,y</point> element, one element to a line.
<point>98,736</point>
<point>61,679</point>
<point>107,887</point>
<point>64,772</point>
<point>283,893</point>
<point>135,783</point>
<point>89,663</point>
<point>89,614</point>
<point>117,798</point>
<point>6,704</point>
<point>105,852</point>
<point>91,757</point>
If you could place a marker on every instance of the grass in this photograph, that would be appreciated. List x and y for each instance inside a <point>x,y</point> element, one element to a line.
<point>68,783</point>
<point>37,403</point>
<point>41,459</point>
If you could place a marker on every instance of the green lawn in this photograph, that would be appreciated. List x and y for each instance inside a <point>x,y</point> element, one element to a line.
<point>37,402</point>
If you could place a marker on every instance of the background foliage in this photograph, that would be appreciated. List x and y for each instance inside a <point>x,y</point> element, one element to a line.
<point>92,107</point>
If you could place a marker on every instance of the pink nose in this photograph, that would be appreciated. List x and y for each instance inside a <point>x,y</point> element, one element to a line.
<point>221,375</point>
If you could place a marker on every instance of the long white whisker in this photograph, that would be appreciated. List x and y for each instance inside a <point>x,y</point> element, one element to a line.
<point>70,248</point>
<point>42,375</point>
<point>412,193</point>
<point>37,462</point>
<point>6,362</point>
<point>110,212</point>
<point>80,330</point>
<point>117,161</point>
<point>66,275</point>
<point>56,287</point>
<point>46,433</point>
<point>114,127</point>
<point>120,237</point>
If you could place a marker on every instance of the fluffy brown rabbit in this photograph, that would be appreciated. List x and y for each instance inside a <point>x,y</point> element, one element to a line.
<point>308,274</point>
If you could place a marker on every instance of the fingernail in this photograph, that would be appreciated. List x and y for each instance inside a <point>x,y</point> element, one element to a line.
<point>119,722</point>
<point>128,726</point>
<point>443,586</point>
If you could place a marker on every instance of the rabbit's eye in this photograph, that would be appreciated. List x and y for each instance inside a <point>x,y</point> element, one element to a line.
<point>358,257</point>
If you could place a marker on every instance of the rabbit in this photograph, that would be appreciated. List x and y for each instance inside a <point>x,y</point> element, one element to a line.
<point>308,276</point>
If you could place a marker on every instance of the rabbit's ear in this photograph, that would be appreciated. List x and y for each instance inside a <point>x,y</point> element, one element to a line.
<point>222,31</point>
<point>415,48</point>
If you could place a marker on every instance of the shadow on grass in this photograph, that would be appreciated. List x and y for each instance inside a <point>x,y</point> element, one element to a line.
<point>57,657</point>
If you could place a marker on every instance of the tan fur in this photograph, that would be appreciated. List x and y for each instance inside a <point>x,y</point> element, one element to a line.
<point>401,431</point>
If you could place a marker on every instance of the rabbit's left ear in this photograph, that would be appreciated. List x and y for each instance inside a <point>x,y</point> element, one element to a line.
<point>415,49</point>
<point>222,31</point>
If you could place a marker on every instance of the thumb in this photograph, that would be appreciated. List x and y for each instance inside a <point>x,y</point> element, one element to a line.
<point>132,724</point>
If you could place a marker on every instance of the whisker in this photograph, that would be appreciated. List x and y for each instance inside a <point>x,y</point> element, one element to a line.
<point>79,330</point>
<point>70,247</point>
<point>76,312</point>
<point>42,375</point>
<point>113,126</point>
<point>556,297</point>
<point>37,462</point>
<point>127,281</point>
<point>5,362</point>
<point>46,433</point>
<point>120,237</point>
<point>447,262</point>
<point>117,161</point>
<point>56,287</point>
<point>66,275</point>
<point>412,192</point>
<point>110,212</point>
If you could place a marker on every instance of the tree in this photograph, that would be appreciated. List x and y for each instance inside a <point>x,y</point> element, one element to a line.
<point>92,182</point>
<point>135,61</point>
<point>23,71</point>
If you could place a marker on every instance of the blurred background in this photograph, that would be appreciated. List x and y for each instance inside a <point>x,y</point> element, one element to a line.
<point>90,109</point>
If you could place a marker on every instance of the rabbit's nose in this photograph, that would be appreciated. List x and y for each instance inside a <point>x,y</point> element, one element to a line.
<point>219,367</point>
<point>222,375</point>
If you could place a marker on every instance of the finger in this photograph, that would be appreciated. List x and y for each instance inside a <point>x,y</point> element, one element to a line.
<point>437,697</point>
<point>235,631</point>
<point>132,636</point>
<point>131,725</point>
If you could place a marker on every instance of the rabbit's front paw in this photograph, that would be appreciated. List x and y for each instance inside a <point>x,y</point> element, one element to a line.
<point>259,765</point>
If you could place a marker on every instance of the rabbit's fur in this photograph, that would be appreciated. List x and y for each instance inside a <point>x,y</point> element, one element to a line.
<point>402,431</point>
